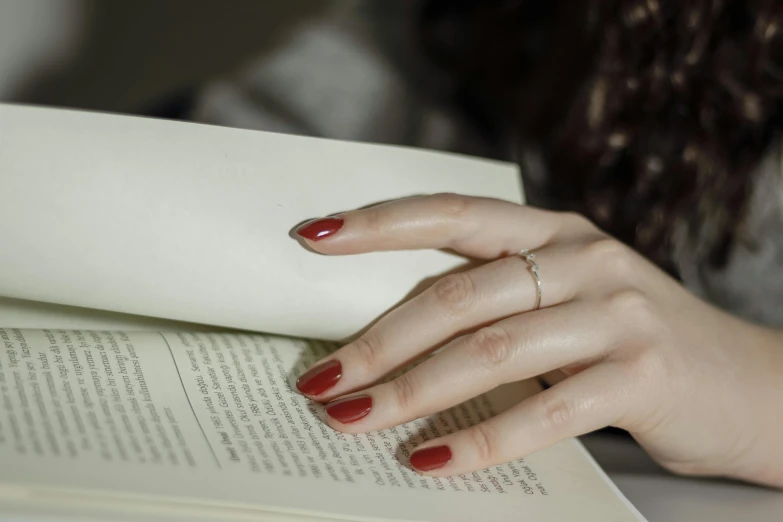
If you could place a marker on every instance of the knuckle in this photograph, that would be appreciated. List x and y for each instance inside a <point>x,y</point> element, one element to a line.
<point>610,256</point>
<point>492,347</point>
<point>558,412</point>
<point>646,367</point>
<point>632,307</point>
<point>368,351</point>
<point>405,392</point>
<point>603,249</point>
<point>455,292</point>
<point>375,219</point>
<point>452,205</point>
<point>483,439</point>
<point>576,221</point>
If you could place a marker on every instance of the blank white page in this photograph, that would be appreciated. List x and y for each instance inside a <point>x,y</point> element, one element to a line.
<point>191,222</point>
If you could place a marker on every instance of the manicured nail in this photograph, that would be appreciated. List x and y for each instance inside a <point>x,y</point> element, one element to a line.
<point>350,409</point>
<point>320,228</point>
<point>428,459</point>
<point>321,378</point>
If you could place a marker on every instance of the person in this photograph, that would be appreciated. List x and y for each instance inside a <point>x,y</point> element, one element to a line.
<point>649,135</point>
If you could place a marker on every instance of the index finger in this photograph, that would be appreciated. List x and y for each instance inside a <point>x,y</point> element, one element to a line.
<point>481,228</point>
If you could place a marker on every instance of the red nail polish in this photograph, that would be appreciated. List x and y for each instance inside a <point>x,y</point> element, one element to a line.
<point>428,459</point>
<point>350,409</point>
<point>320,228</point>
<point>321,378</point>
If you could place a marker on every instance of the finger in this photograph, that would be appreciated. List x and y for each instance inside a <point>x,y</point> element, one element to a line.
<point>454,305</point>
<point>515,349</point>
<point>482,228</point>
<point>588,401</point>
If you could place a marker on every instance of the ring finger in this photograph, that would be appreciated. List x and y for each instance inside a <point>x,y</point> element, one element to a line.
<point>455,305</point>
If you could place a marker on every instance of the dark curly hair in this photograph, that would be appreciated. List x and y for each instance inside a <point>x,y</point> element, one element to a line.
<point>651,115</point>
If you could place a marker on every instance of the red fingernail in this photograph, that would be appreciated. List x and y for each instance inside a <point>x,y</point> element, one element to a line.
<point>429,459</point>
<point>321,378</point>
<point>320,228</point>
<point>351,409</point>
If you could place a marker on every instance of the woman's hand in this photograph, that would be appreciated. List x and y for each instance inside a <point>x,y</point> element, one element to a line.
<point>701,390</point>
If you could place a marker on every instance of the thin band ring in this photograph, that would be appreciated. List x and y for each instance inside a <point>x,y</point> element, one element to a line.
<point>530,257</point>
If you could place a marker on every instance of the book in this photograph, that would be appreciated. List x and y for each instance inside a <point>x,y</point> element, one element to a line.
<point>156,315</point>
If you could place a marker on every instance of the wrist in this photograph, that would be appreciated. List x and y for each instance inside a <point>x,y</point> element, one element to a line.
<point>768,458</point>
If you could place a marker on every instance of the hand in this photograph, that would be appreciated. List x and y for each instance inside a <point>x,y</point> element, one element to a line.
<point>702,391</point>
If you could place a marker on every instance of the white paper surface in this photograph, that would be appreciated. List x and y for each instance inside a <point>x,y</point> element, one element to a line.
<point>191,222</point>
<point>37,315</point>
<point>180,421</point>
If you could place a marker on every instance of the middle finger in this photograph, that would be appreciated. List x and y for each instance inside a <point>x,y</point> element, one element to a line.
<point>572,335</point>
<point>453,306</point>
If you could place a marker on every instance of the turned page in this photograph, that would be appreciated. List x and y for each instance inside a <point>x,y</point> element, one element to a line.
<point>212,419</point>
<point>191,222</point>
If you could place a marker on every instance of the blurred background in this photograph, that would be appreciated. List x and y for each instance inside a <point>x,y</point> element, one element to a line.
<point>331,68</point>
<point>139,57</point>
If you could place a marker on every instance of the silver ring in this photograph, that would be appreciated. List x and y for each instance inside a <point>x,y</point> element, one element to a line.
<point>530,258</point>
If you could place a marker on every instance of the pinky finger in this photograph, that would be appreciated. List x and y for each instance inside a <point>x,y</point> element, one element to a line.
<point>590,400</point>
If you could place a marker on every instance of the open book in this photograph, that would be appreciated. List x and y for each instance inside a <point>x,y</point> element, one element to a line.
<point>156,315</point>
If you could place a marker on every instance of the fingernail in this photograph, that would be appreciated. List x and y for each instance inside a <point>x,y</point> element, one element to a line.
<point>429,459</point>
<point>351,409</point>
<point>321,378</point>
<point>320,228</point>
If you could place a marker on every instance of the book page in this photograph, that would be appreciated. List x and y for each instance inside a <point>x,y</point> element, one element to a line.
<point>20,313</point>
<point>191,222</point>
<point>212,419</point>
